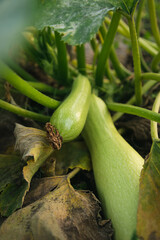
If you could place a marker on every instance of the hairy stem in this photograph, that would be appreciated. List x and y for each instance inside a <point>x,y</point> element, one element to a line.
<point>23,112</point>
<point>106,49</point>
<point>154,129</point>
<point>136,61</point>
<point>25,88</point>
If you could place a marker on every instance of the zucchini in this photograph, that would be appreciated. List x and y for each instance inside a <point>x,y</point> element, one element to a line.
<point>116,167</point>
<point>69,118</point>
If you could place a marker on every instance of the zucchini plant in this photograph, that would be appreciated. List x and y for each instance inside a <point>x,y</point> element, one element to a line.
<point>76,99</point>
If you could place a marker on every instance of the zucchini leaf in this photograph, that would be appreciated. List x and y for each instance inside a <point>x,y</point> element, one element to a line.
<point>71,155</point>
<point>78,20</point>
<point>148,221</point>
<point>63,213</point>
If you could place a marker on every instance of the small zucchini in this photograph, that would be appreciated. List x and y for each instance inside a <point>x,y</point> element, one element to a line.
<point>69,118</point>
<point>116,167</point>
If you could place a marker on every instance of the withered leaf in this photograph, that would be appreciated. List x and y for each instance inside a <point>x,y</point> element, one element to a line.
<point>148,218</point>
<point>34,147</point>
<point>71,155</point>
<point>40,187</point>
<point>62,214</point>
<point>31,142</point>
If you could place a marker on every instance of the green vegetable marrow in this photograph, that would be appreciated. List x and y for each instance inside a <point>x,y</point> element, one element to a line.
<point>69,118</point>
<point>116,167</point>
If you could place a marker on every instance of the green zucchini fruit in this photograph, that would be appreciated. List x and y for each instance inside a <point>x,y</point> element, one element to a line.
<point>69,118</point>
<point>116,167</point>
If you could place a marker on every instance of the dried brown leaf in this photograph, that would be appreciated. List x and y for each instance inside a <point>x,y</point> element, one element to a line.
<point>62,214</point>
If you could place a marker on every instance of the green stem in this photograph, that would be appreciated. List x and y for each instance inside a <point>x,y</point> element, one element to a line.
<point>42,87</point>
<point>147,86</point>
<point>155,62</point>
<point>136,61</point>
<point>121,71</point>
<point>81,60</point>
<point>153,21</point>
<point>150,76</point>
<point>106,49</point>
<point>102,35</point>
<point>25,88</point>
<point>154,129</point>
<point>139,15</point>
<point>62,59</point>
<point>148,46</point>
<point>95,49</point>
<point>19,70</point>
<point>138,111</point>
<point>23,112</point>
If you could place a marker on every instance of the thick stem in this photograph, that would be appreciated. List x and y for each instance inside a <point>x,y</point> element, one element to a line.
<point>23,112</point>
<point>134,110</point>
<point>121,71</point>
<point>136,61</point>
<point>153,21</point>
<point>145,88</point>
<point>81,60</point>
<point>150,76</point>
<point>139,15</point>
<point>19,70</point>
<point>154,128</point>
<point>62,59</point>
<point>106,49</point>
<point>25,88</point>
<point>148,46</point>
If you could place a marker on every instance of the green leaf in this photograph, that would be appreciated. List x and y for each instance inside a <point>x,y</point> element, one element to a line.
<point>70,156</point>
<point>148,218</point>
<point>78,20</point>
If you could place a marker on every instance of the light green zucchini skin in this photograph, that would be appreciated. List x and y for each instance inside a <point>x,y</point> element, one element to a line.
<point>116,167</point>
<point>69,118</point>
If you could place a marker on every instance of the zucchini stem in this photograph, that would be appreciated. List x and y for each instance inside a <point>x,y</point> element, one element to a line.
<point>104,54</point>
<point>23,112</point>
<point>62,59</point>
<point>25,88</point>
<point>153,21</point>
<point>155,109</point>
<point>155,62</point>
<point>81,60</point>
<point>136,61</point>
<point>147,86</point>
<point>139,16</point>
<point>134,110</point>
<point>150,76</point>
